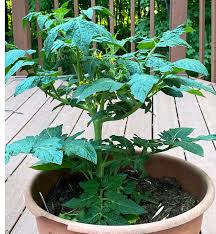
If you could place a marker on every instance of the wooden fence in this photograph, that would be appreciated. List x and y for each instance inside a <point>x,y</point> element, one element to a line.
<point>178,15</point>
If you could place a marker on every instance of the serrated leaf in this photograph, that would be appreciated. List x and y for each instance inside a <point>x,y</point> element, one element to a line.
<point>90,186</point>
<point>211,137</point>
<point>33,81</point>
<point>172,92</point>
<point>191,147</point>
<point>79,31</point>
<point>132,66</point>
<point>104,84</point>
<point>13,55</point>
<point>21,146</point>
<point>191,65</point>
<point>114,218</point>
<point>141,85</point>
<point>41,20</point>
<point>46,146</point>
<point>81,148</point>
<point>124,205</point>
<point>172,38</point>
<point>19,64</point>
<point>48,150</point>
<point>82,202</point>
<point>147,43</point>
<point>193,83</point>
<point>90,11</point>
<point>176,133</point>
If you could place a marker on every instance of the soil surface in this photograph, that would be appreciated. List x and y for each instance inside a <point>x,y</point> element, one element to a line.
<point>169,198</point>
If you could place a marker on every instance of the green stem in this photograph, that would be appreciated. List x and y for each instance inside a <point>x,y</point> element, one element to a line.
<point>98,137</point>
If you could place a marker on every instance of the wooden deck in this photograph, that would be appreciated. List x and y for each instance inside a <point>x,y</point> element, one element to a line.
<point>31,112</point>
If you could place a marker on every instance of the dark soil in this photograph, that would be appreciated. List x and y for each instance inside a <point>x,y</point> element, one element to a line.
<point>166,192</point>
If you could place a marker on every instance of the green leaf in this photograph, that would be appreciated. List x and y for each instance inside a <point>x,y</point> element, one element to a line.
<point>124,205</point>
<point>84,201</point>
<point>114,218</point>
<point>193,83</point>
<point>90,186</point>
<point>191,65</point>
<point>21,146</point>
<point>41,20</point>
<point>44,166</point>
<point>211,137</point>
<point>172,38</point>
<point>132,66</point>
<point>191,147</point>
<point>13,55</point>
<point>147,43</point>
<point>176,133</point>
<point>172,92</point>
<point>48,150</point>
<point>157,63</point>
<point>90,11</point>
<point>47,146</point>
<point>33,81</point>
<point>141,85</point>
<point>104,84</point>
<point>195,92</point>
<point>19,64</point>
<point>77,30</point>
<point>81,148</point>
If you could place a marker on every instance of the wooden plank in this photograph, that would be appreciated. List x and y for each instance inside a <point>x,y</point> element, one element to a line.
<point>76,7</point>
<point>152,18</point>
<point>15,186</point>
<point>187,109</point>
<point>132,16</point>
<point>10,89</point>
<point>202,31</point>
<point>26,224</point>
<point>213,43</point>
<point>208,108</point>
<point>32,106</point>
<point>111,19</point>
<point>178,15</point>
<point>140,124</point>
<point>165,117</point>
<point>13,104</point>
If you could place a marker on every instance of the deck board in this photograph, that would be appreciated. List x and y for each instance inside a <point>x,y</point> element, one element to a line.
<point>190,116</point>
<point>37,115</point>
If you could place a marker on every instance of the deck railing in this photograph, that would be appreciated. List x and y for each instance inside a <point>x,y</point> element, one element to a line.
<point>178,15</point>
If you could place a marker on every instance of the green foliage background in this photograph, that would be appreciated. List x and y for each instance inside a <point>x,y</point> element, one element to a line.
<point>122,21</point>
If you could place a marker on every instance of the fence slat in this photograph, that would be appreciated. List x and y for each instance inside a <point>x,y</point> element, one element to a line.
<point>111,19</point>
<point>22,37</point>
<point>56,4</point>
<point>39,39</point>
<point>94,15</point>
<point>178,15</point>
<point>132,16</point>
<point>202,30</point>
<point>76,8</point>
<point>213,59</point>
<point>152,18</point>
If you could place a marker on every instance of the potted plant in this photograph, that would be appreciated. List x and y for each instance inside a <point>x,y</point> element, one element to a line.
<point>114,185</point>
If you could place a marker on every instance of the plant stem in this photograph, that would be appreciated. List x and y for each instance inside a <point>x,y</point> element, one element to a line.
<point>98,137</point>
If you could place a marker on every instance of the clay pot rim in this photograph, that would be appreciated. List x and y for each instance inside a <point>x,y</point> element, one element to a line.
<point>185,217</point>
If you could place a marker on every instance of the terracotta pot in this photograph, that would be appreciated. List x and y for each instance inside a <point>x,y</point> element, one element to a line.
<point>192,179</point>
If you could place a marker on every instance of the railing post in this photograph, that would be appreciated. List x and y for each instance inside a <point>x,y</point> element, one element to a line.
<point>132,16</point>
<point>39,39</point>
<point>213,38</point>
<point>178,15</point>
<point>22,37</point>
